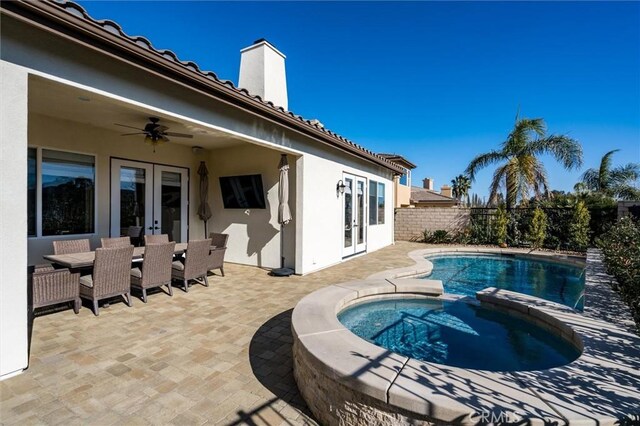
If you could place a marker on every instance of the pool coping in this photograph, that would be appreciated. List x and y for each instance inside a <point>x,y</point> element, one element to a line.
<point>598,387</point>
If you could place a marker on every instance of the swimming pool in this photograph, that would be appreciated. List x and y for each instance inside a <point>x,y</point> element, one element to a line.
<point>457,333</point>
<point>468,274</point>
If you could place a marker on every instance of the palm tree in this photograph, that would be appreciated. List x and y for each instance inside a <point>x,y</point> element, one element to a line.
<point>460,186</point>
<point>616,182</point>
<point>520,170</point>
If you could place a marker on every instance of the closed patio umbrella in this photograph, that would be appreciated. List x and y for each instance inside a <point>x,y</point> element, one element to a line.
<point>204,211</point>
<point>284,212</point>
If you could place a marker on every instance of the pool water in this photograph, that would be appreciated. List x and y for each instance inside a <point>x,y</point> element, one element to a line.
<point>457,333</point>
<point>468,274</point>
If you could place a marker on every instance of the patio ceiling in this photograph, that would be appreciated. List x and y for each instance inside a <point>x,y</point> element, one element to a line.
<point>57,100</point>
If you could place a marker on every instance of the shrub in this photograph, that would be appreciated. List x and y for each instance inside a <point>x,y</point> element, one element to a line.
<point>579,227</point>
<point>537,231</point>
<point>441,236</point>
<point>500,225</point>
<point>622,257</point>
<point>480,226</point>
<point>436,237</point>
<point>462,237</point>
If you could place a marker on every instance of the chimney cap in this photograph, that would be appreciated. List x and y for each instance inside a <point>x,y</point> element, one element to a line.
<point>260,42</point>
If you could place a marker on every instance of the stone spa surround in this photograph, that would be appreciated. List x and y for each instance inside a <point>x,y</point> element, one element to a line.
<point>347,380</point>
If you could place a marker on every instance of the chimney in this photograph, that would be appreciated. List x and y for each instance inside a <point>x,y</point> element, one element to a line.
<point>446,191</point>
<point>262,72</point>
<point>427,183</point>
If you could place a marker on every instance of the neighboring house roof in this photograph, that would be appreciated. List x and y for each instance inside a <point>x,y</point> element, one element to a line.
<point>398,159</point>
<point>421,195</point>
<point>70,20</point>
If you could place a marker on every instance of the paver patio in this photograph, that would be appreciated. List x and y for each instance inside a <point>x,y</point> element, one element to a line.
<point>217,355</point>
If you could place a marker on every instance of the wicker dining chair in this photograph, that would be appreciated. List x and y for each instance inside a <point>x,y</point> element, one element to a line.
<point>156,239</point>
<point>156,268</point>
<point>195,264</point>
<point>111,276</point>
<point>71,246</point>
<point>135,233</point>
<point>54,286</point>
<point>115,242</point>
<point>218,250</point>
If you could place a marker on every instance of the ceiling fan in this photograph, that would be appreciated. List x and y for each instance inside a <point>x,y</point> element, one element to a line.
<point>155,134</point>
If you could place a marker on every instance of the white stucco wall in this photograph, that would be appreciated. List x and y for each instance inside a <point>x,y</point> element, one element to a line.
<point>13,219</point>
<point>322,215</point>
<point>254,233</point>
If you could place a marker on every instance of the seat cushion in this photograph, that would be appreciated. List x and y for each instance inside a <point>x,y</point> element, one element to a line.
<point>136,272</point>
<point>177,265</point>
<point>86,280</point>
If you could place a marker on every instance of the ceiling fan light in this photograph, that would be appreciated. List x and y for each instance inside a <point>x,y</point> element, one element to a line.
<point>148,140</point>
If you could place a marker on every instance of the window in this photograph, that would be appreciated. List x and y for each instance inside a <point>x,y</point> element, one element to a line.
<point>66,204</point>
<point>376,203</point>
<point>380,203</point>
<point>405,179</point>
<point>373,201</point>
<point>31,190</point>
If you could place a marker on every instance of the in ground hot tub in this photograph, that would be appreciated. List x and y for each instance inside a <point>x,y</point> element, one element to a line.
<point>347,379</point>
<point>458,333</point>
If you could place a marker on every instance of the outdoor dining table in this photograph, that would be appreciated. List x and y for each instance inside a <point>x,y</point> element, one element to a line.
<point>83,260</point>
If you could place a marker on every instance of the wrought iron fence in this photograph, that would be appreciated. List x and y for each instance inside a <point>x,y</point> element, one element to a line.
<point>559,220</point>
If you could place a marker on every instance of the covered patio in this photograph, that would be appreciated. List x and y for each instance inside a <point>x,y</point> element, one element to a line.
<point>220,355</point>
<point>70,124</point>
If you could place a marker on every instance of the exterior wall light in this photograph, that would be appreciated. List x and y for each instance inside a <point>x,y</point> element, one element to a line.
<point>340,187</point>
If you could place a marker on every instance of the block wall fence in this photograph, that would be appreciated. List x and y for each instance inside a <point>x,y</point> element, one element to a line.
<point>411,222</point>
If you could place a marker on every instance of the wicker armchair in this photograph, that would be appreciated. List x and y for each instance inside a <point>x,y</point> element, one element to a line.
<point>156,269</point>
<point>195,264</point>
<point>219,240</point>
<point>53,286</point>
<point>218,250</point>
<point>71,246</point>
<point>156,239</point>
<point>115,242</point>
<point>111,276</point>
<point>216,259</point>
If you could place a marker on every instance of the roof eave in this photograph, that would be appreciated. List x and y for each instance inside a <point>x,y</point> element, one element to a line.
<point>86,32</point>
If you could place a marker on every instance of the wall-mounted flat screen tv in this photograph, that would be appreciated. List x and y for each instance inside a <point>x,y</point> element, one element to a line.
<point>242,192</point>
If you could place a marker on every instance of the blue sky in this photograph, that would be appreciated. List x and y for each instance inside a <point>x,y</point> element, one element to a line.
<point>436,82</point>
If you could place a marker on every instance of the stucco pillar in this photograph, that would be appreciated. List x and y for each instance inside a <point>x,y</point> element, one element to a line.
<point>13,219</point>
<point>299,212</point>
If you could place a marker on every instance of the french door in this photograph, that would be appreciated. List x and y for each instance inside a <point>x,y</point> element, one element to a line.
<point>148,199</point>
<point>354,214</point>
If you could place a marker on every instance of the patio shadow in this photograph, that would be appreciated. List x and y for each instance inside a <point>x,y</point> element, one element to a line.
<point>271,358</point>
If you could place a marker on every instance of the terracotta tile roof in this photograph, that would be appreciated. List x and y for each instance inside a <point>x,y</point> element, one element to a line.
<point>425,195</point>
<point>318,131</point>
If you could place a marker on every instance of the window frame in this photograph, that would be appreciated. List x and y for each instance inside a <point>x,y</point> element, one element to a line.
<point>374,184</point>
<point>407,175</point>
<point>39,149</point>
